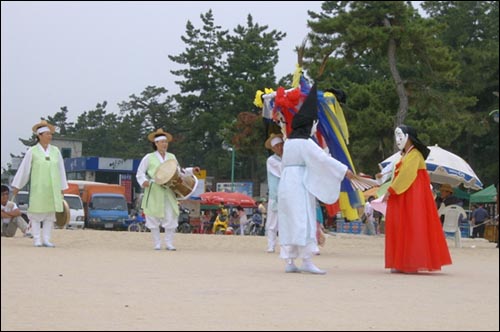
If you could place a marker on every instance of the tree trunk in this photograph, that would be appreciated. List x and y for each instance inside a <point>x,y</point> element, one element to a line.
<point>400,89</point>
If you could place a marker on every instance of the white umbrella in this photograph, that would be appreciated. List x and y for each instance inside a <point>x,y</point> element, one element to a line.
<point>445,167</point>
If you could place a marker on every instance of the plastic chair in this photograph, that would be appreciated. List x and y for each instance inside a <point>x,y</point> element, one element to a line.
<point>452,215</point>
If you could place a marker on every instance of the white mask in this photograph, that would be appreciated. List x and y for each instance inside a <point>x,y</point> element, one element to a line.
<point>401,138</point>
<point>314,128</point>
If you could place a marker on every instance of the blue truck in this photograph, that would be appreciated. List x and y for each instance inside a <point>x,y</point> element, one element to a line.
<point>105,206</point>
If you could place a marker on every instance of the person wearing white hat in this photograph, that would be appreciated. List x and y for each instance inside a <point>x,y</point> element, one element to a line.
<point>43,167</point>
<point>273,165</point>
<point>160,202</point>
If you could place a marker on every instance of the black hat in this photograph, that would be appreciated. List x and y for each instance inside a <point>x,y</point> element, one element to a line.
<point>339,94</point>
<point>308,111</point>
<point>412,134</point>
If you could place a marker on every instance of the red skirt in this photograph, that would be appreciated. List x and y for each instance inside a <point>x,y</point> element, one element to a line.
<point>414,237</point>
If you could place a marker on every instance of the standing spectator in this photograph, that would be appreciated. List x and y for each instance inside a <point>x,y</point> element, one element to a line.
<point>243,219</point>
<point>479,217</point>
<point>234,219</point>
<point>262,209</point>
<point>273,166</point>
<point>43,167</point>
<point>205,221</point>
<point>414,237</point>
<point>160,203</point>
<point>370,227</point>
<point>11,216</point>
<point>308,172</point>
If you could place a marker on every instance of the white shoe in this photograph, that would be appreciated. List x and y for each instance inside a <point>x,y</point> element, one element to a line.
<point>49,245</point>
<point>291,268</point>
<point>38,244</point>
<point>157,247</point>
<point>270,250</point>
<point>311,268</point>
<point>170,248</point>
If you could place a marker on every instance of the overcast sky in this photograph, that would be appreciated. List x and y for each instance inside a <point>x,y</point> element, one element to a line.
<point>77,54</point>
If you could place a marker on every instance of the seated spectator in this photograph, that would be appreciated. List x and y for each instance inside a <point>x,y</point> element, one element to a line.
<point>447,198</point>
<point>221,222</point>
<point>11,216</point>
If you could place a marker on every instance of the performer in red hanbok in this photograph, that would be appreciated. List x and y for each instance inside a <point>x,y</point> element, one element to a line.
<point>414,237</point>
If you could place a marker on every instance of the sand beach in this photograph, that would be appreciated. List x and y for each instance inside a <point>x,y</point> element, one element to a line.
<point>109,280</point>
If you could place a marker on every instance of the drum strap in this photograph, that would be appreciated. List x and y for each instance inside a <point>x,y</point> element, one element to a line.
<point>151,182</point>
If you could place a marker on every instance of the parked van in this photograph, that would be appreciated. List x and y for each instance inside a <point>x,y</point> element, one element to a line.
<point>76,211</point>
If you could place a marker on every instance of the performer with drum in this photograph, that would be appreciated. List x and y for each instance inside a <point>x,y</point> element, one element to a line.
<point>43,166</point>
<point>162,179</point>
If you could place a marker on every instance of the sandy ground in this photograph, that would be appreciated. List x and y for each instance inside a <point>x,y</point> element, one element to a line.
<point>107,280</point>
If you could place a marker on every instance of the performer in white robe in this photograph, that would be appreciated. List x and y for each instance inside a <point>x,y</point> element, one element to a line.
<point>308,172</point>
<point>43,167</point>
<point>273,165</point>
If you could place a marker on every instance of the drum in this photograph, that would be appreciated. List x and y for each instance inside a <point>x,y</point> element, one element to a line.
<point>169,175</point>
<point>62,218</point>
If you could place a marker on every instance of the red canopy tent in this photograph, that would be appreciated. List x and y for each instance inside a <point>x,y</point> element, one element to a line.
<point>235,199</point>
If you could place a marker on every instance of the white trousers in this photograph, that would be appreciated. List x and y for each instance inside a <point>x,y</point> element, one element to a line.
<point>48,220</point>
<point>293,251</point>
<point>272,227</point>
<point>169,237</point>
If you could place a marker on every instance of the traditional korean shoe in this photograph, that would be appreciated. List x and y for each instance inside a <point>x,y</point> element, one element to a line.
<point>49,245</point>
<point>270,250</point>
<point>157,247</point>
<point>170,248</point>
<point>311,268</point>
<point>291,268</point>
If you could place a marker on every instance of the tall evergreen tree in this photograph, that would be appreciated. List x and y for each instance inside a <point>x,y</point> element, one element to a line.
<point>98,130</point>
<point>394,70</point>
<point>252,54</point>
<point>152,110</point>
<point>202,97</point>
<point>471,31</point>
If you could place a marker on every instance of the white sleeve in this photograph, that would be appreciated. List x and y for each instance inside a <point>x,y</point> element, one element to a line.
<point>188,170</point>
<point>62,172</point>
<point>23,172</point>
<point>142,169</point>
<point>274,166</point>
